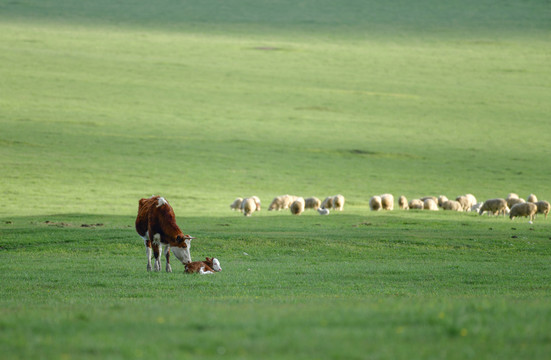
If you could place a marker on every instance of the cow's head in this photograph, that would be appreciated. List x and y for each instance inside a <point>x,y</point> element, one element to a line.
<point>181,248</point>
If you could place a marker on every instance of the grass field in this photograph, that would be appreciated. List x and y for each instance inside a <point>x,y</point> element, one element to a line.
<point>102,103</point>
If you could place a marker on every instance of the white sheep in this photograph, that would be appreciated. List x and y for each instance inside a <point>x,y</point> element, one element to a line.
<point>276,204</point>
<point>327,203</point>
<point>513,201</point>
<point>338,202</point>
<point>464,201</point>
<point>452,205</point>
<point>512,196</point>
<point>532,198</point>
<point>434,198</point>
<point>236,204</point>
<point>387,201</point>
<point>297,207</point>
<point>495,206</point>
<point>312,203</point>
<point>323,211</point>
<point>441,200</point>
<point>375,203</point>
<point>472,200</point>
<point>403,203</point>
<point>250,205</point>
<point>257,202</point>
<point>430,204</point>
<point>527,209</point>
<point>543,207</point>
<point>281,202</point>
<point>416,204</point>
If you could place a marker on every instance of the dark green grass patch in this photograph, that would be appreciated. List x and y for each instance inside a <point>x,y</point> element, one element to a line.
<point>302,287</point>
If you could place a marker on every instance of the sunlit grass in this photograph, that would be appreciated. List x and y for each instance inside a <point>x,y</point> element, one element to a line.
<point>103,103</point>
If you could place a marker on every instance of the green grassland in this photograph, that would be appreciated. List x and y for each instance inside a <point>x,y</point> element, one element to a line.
<point>102,103</point>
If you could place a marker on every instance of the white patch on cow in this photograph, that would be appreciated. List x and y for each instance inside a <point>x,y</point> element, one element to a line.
<point>182,254</point>
<point>157,243</point>
<point>216,265</point>
<point>157,239</point>
<point>161,201</point>
<point>203,272</point>
<point>148,253</point>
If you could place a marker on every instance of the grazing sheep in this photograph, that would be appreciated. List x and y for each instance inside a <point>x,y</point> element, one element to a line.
<point>403,202</point>
<point>250,205</point>
<point>276,204</point>
<point>257,202</point>
<point>441,200</point>
<point>434,198</point>
<point>236,204</point>
<point>323,211</point>
<point>472,200</point>
<point>375,203</point>
<point>281,202</point>
<point>464,201</point>
<point>387,201</point>
<point>452,205</point>
<point>297,207</point>
<point>513,201</point>
<point>430,204</point>
<point>532,198</point>
<point>495,206</point>
<point>523,209</point>
<point>289,199</point>
<point>338,202</point>
<point>312,203</point>
<point>209,266</point>
<point>511,196</point>
<point>543,207</point>
<point>416,204</point>
<point>327,203</point>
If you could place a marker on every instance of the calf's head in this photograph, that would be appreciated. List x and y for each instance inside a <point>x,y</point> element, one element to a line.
<point>215,264</point>
<point>181,248</point>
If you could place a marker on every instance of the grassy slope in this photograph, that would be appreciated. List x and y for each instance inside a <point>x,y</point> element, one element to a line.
<point>104,103</point>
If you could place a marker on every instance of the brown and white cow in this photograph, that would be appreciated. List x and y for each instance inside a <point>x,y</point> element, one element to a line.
<point>209,266</point>
<point>156,224</point>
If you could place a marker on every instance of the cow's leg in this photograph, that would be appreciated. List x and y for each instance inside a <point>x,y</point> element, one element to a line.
<point>147,244</point>
<point>157,252</point>
<point>167,256</point>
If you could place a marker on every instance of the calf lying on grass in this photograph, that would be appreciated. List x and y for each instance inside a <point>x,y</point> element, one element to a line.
<point>209,266</point>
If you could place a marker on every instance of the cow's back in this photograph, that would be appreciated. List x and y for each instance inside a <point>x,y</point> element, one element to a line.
<point>144,208</point>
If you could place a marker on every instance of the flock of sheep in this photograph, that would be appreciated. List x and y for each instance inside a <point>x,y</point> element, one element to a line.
<point>511,205</point>
<point>296,204</point>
